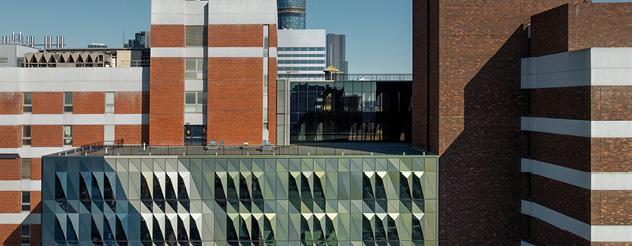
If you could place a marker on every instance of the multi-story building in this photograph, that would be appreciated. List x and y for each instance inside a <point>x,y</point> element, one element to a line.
<point>292,14</point>
<point>12,55</point>
<point>479,66</point>
<point>337,52</point>
<point>513,165</point>
<point>140,41</point>
<point>302,54</point>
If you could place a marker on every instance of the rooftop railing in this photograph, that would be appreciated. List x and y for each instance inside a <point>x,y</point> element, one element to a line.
<point>118,149</point>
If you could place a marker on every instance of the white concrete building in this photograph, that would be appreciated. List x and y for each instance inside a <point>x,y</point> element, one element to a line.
<point>302,54</point>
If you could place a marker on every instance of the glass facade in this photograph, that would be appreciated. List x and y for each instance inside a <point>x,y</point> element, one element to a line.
<point>240,200</point>
<point>372,111</point>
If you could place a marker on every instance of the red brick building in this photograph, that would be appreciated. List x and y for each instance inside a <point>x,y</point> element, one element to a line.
<point>470,59</point>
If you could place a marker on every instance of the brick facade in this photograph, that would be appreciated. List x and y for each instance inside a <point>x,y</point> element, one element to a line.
<point>10,169</point>
<point>10,103</point>
<point>235,96</point>
<point>132,134</point>
<point>48,102</point>
<point>570,28</point>
<point>166,100</point>
<point>10,136</point>
<point>131,103</point>
<point>47,136</point>
<point>235,35</point>
<point>86,135</point>
<point>467,70</point>
<point>88,103</point>
<point>167,35</point>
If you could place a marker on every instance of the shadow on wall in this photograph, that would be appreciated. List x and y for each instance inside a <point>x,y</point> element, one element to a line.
<point>15,237</point>
<point>480,168</point>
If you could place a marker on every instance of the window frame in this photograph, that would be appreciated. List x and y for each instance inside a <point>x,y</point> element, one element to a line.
<point>25,238</point>
<point>27,107</point>
<point>68,107</point>
<point>26,168</point>
<point>26,205</point>
<point>196,73</point>
<point>67,137</point>
<point>27,139</point>
<point>200,98</point>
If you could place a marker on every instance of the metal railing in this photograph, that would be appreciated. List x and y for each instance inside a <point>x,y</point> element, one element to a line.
<point>348,77</point>
<point>244,150</point>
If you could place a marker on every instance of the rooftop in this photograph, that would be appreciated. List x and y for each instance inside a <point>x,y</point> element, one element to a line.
<point>317,149</point>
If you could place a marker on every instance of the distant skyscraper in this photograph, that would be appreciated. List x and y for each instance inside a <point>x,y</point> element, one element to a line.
<point>336,52</point>
<point>292,14</point>
<point>141,40</point>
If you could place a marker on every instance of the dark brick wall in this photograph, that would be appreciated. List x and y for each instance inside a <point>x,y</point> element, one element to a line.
<point>543,233</point>
<point>467,106</point>
<point>574,203</point>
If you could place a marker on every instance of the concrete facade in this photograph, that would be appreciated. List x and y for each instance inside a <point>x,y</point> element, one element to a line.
<point>302,54</point>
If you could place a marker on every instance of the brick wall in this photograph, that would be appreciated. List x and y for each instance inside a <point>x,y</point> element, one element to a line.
<point>235,96</point>
<point>235,35</point>
<point>10,103</point>
<point>46,136</point>
<point>85,135</point>
<point>48,102</point>
<point>88,103</point>
<point>132,134</point>
<point>9,234</point>
<point>167,35</point>
<point>10,202</point>
<point>10,136</point>
<point>10,169</point>
<point>467,71</point>
<point>166,99</point>
<point>131,103</point>
<point>36,168</point>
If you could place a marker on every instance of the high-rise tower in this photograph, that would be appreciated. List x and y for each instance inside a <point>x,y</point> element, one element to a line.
<point>292,14</point>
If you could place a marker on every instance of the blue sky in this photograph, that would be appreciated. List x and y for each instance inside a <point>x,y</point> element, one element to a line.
<point>378,32</point>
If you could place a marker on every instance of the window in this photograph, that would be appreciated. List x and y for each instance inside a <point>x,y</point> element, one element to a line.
<point>194,68</point>
<point>109,102</point>
<point>194,102</point>
<point>26,135</point>
<point>67,102</point>
<point>25,234</point>
<point>4,60</point>
<point>195,36</point>
<point>26,201</point>
<point>27,104</point>
<point>67,135</point>
<point>26,168</point>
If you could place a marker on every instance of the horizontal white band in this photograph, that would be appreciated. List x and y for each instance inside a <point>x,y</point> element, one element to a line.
<point>525,243</point>
<point>24,218</point>
<point>595,233</point>
<point>21,185</point>
<point>34,152</point>
<point>239,52</point>
<point>167,52</point>
<point>579,128</point>
<point>556,219</point>
<point>73,79</point>
<point>73,119</point>
<point>588,67</point>
<point>555,172</point>
<point>615,181</point>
